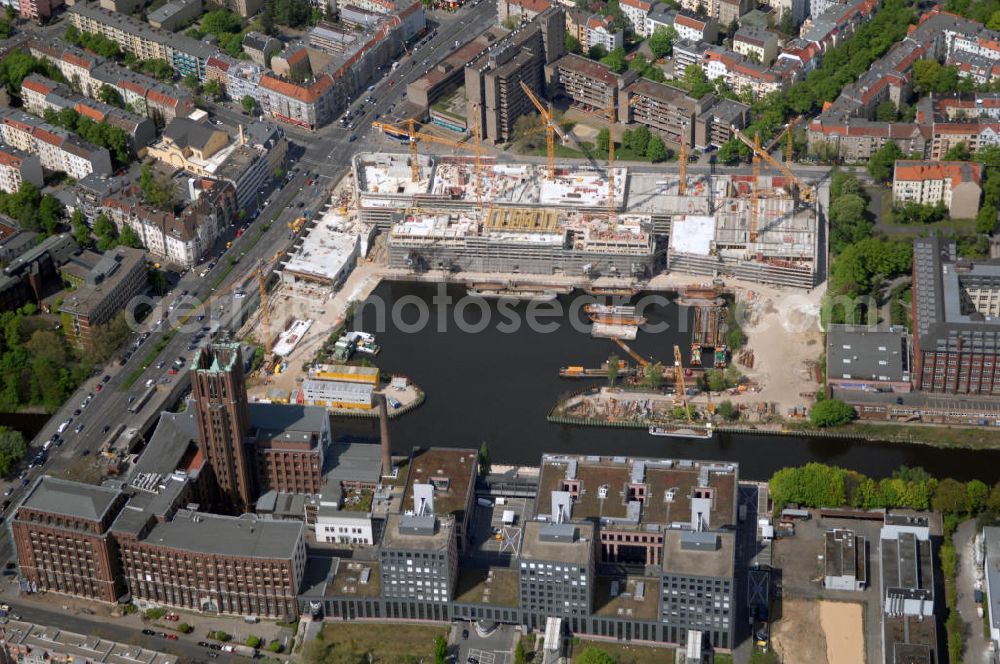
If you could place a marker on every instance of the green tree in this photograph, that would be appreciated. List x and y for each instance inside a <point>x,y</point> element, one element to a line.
<point>993,501</point>
<point>640,139</point>
<point>652,377</point>
<point>213,90</point>
<point>727,411</point>
<point>221,21</point>
<point>484,459</point>
<point>440,650</point>
<point>519,652</point>
<point>50,212</point>
<point>830,413</point>
<point>696,82</point>
<point>129,238</point>
<point>512,21</point>
<point>615,60</point>
<point>716,380</point>
<point>881,164</point>
<point>12,449</point>
<point>572,44</point>
<point>253,641</point>
<point>597,52</point>
<point>248,103</point>
<point>612,369</point>
<point>811,485</point>
<point>959,152</point>
<point>192,83</point>
<point>661,42</point>
<point>592,655</point>
<point>106,339</point>
<point>158,190</point>
<point>81,231</point>
<point>886,111</point>
<point>656,151</point>
<point>976,494</point>
<point>849,222</point>
<point>950,497</point>
<point>107,234</point>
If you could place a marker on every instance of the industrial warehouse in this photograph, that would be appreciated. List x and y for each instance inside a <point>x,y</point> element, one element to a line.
<point>464,214</point>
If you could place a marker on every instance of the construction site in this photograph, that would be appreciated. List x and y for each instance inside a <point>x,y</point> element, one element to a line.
<point>473,213</point>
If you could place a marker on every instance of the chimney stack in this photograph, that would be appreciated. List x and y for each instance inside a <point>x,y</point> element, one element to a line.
<point>383,421</point>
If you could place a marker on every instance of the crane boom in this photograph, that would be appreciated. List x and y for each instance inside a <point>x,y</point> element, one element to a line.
<point>806,191</point>
<point>410,131</point>
<point>682,185</point>
<point>611,160</point>
<point>551,128</point>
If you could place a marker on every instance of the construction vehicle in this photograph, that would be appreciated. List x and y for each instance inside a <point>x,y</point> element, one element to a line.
<point>551,129</point>
<point>409,130</point>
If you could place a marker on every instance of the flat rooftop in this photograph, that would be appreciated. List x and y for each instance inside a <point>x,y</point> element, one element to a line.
<point>680,560</point>
<point>867,354</point>
<point>494,586</point>
<point>330,576</point>
<point>991,536</point>
<point>245,536</point>
<point>663,487</point>
<point>326,248</point>
<point>395,537</point>
<point>451,471</point>
<point>578,551</point>
<point>635,597</point>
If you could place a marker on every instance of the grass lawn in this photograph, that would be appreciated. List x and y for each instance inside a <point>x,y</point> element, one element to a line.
<point>408,643</point>
<point>882,199</point>
<point>625,653</point>
<point>723,658</point>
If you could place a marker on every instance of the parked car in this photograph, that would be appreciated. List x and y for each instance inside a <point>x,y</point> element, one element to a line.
<point>148,632</point>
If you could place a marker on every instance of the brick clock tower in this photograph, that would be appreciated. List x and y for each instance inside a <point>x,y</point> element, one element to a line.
<point>220,396</point>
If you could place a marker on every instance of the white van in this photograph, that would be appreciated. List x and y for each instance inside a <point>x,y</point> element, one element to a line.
<point>62,427</point>
<point>149,383</point>
<point>46,446</point>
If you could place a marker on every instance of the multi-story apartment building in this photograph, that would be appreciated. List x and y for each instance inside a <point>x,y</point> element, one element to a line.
<point>493,78</point>
<point>522,10</point>
<point>118,277</point>
<point>39,11</point>
<point>17,166</point>
<point>589,83</point>
<point>260,47</point>
<point>954,183</point>
<point>665,109</point>
<point>688,26</point>
<point>715,125</point>
<point>61,533</point>
<point>186,55</point>
<point>636,11</point>
<point>758,44</point>
<point>181,238</point>
<point>956,313</point>
<point>57,149</point>
<point>601,32</point>
<point>308,105</point>
<point>40,94</point>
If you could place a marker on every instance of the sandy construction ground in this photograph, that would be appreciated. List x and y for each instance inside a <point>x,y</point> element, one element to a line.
<point>843,625</point>
<point>797,637</point>
<point>820,632</point>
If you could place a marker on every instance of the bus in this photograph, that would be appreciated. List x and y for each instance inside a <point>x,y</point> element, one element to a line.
<point>142,401</point>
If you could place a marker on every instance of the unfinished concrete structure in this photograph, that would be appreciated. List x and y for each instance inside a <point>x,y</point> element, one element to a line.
<point>562,226</point>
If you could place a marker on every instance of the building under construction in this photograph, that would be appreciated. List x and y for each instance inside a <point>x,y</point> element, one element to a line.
<point>514,218</point>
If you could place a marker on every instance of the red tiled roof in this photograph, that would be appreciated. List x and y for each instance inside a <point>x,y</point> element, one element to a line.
<point>955,171</point>
<point>8,159</point>
<point>214,62</point>
<point>691,22</point>
<point>638,4</point>
<point>533,6</point>
<point>306,94</point>
<point>37,86</point>
<point>89,112</point>
<point>161,99</point>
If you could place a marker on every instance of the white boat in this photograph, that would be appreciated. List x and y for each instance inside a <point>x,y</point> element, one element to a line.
<point>681,432</point>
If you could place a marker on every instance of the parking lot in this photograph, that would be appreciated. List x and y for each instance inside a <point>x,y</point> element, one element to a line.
<point>497,647</point>
<point>493,540</point>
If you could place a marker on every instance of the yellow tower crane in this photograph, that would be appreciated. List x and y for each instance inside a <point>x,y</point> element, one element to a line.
<point>409,130</point>
<point>263,271</point>
<point>551,129</point>
<point>755,187</point>
<point>806,192</point>
<point>611,108</point>
<point>679,382</point>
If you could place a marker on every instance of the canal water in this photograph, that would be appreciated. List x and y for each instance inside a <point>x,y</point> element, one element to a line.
<point>497,385</point>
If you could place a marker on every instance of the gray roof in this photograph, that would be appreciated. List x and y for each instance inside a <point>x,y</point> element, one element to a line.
<point>535,546</point>
<point>244,536</point>
<point>867,354</point>
<point>171,439</point>
<point>715,561</point>
<point>186,132</point>
<point>273,419</point>
<point>75,499</point>
<point>942,322</point>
